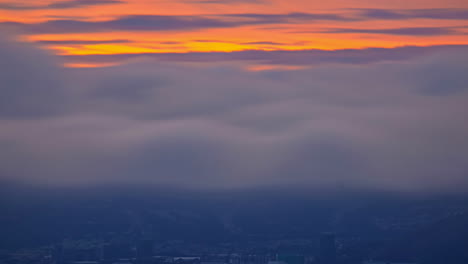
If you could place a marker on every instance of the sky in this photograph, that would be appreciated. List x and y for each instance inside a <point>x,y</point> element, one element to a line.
<point>79,28</point>
<point>350,94</point>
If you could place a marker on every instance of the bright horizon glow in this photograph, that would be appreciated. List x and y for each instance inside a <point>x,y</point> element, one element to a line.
<point>192,26</point>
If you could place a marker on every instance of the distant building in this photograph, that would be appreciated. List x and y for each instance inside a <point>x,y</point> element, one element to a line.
<point>276,262</point>
<point>327,249</point>
<point>254,259</point>
<point>65,254</point>
<point>115,251</point>
<point>57,254</point>
<point>387,262</point>
<point>291,259</point>
<point>144,251</point>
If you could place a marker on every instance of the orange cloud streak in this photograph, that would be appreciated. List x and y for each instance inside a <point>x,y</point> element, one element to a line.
<point>297,35</point>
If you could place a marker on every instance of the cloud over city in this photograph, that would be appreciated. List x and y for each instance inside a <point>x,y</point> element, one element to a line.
<point>385,125</point>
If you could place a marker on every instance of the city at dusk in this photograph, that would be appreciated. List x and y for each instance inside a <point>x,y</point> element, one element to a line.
<point>233,132</point>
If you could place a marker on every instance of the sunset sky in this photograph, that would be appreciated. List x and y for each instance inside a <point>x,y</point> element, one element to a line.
<point>130,28</point>
<point>336,94</point>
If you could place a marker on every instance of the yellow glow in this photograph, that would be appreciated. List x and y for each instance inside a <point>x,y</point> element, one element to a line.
<point>255,68</point>
<point>297,35</point>
<point>89,65</point>
<point>104,49</point>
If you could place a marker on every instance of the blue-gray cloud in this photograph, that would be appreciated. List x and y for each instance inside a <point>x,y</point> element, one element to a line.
<point>128,23</point>
<point>29,89</point>
<point>404,14</point>
<point>58,5</point>
<point>394,125</point>
<point>292,17</point>
<point>406,31</point>
<point>165,23</point>
<point>82,42</point>
<point>200,22</point>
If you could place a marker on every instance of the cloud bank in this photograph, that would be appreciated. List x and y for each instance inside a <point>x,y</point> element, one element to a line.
<point>398,126</point>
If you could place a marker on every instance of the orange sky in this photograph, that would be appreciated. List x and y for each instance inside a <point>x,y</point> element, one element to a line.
<point>422,23</point>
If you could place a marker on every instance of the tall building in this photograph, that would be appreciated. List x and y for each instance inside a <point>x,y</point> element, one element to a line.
<point>327,252</point>
<point>57,254</point>
<point>144,251</point>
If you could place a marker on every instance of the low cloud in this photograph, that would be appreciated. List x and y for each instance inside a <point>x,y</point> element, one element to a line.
<point>30,85</point>
<point>396,126</point>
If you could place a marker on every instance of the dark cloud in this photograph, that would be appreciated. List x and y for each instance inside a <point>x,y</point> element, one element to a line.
<point>128,23</point>
<point>82,42</point>
<point>410,31</point>
<point>291,17</point>
<point>165,23</point>
<point>58,5</point>
<point>403,14</point>
<point>397,125</point>
<point>168,23</point>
